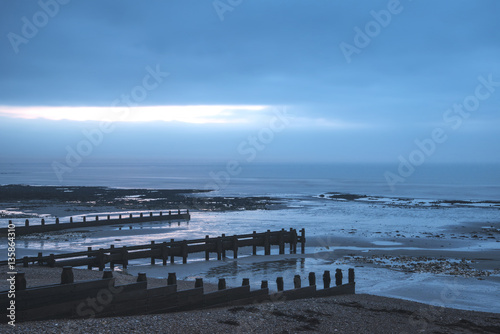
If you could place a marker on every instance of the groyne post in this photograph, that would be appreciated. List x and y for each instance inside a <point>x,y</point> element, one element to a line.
<point>171,279</point>
<point>222,284</point>
<point>172,259</point>
<point>207,252</point>
<point>20,281</point>
<point>303,240</point>
<point>279,283</point>
<point>223,248</point>
<point>67,275</point>
<point>184,251</point>
<point>254,246</point>
<point>351,275</point>
<point>89,266</point>
<point>152,252</point>
<point>219,248</point>
<point>338,277</point>
<point>164,253</point>
<point>312,279</point>
<point>297,282</point>
<point>326,279</point>
<point>198,283</point>
<point>111,262</point>
<point>267,243</point>
<point>235,247</point>
<point>141,277</point>
<point>125,257</point>
<point>26,223</point>
<point>281,241</point>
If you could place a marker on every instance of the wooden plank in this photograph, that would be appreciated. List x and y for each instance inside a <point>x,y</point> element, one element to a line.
<point>189,299</point>
<point>225,296</point>
<point>345,289</point>
<point>306,292</point>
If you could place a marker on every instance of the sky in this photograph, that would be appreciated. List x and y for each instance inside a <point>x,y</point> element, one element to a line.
<point>285,80</point>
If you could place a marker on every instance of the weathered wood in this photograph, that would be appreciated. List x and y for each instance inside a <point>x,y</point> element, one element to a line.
<point>99,258</point>
<point>57,226</point>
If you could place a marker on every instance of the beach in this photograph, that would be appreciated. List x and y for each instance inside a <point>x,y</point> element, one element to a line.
<point>426,253</point>
<point>360,313</point>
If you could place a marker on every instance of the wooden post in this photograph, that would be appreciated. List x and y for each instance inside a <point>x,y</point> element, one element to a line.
<point>178,211</point>
<point>294,236</point>
<point>198,283</point>
<point>150,214</point>
<point>161,213</point>
<point>297,282</point>
<point>89,265</point>
<point>303,241</point>
<point>171,253</point>
<point>52,261</point>
<point>279,283</point>
<point>57,220</point>
<point>96,218</point>
<point>40,259</point>
<point>108,273</point>
<point>111,262</point>
<point>338,277</point>
<point>43,222</point>
<point>219,248</point>
<point>291,240</point>
<point>245,282</point>
<point>223,249</point>
<point>71,220</point>
<point>326,279</point>
<point>222,284</point>
<point>67,275</point>
<point>120,217</point>
<point>84,219</point>
<point>25,261</point>
<point>130,216</point>
<point>109,217</point>
<point>172,279</point>
<point>235,247</point>
<point>27,223</point>
<point>152,252</point>
<point>254,245</point>
<point>207,252</point>
<point>141,215</point>
<point>164,253</point>
<point>351,275</point>
<point>264,285</point>
<point>100,259</point>
<point>281,241</point>
<point>312,279</point>
<point>169,212</point>
<point>184,250</point>
<point>125,257</point>
<point>141,277</point>
<point>267,245</point>
<point>20,281</point>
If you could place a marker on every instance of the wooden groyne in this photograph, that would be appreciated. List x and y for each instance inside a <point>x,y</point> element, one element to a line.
<point>97,220</point>
<point>102,298</point>
<point>166,251</point>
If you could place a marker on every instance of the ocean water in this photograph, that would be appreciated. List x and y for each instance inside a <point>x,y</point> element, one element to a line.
<point>429,181</point>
